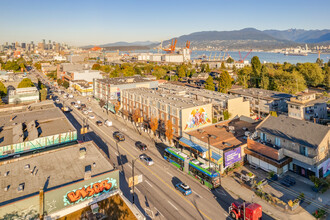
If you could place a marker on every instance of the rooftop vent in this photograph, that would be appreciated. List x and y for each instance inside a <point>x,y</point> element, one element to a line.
<point>82,153</point>
<point>218,126</point>
<point>27,167</point>
<point>7,188</point>
<point>21,187</point>
<point>88,172</point>
<point>200,130</point>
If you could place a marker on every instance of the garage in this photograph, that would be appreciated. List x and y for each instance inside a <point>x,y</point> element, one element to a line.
<point>262,164</point>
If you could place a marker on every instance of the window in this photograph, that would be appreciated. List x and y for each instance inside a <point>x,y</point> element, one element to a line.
<point>162,116</point>
<point>303,150</point>
<point>263,136</point>
<point>277,141</point>
<point>174,121</point>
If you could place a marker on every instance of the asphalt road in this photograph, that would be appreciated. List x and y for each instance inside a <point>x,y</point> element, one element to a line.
<point>156,196</point>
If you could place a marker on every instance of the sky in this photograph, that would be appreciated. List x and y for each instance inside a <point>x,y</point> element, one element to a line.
<point>95,22</point>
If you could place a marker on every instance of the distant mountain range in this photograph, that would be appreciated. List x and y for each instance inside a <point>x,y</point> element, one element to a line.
<point>252,38</point>
<point>248,38</point>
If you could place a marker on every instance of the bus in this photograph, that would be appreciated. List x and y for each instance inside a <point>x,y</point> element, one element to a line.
<point>211,179</point>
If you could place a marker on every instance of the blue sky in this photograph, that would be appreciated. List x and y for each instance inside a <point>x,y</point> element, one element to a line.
<point>82,22</point>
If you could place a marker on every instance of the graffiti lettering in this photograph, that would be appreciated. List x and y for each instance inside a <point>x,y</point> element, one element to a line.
<point>95,188</point>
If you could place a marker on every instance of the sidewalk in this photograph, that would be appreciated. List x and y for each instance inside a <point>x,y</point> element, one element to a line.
<point>232,187</point>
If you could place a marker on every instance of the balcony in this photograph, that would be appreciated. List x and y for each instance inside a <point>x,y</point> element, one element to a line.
<point>308,160</point>
<point>267,149</point>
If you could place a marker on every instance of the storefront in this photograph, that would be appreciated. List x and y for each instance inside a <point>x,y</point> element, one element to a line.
<point>303,169</point>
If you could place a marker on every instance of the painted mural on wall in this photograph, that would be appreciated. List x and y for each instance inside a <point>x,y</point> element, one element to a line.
<point>89,191</point>
<point>197,118</point>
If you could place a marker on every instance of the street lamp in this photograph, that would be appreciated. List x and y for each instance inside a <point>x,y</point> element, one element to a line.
<point>133,162</point>
<point>208,142</point>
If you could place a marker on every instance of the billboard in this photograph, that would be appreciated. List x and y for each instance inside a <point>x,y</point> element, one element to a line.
<point>232,156</point>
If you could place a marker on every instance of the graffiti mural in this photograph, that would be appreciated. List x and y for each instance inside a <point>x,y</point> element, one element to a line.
<point>197,117</point>
<point>89,191</point>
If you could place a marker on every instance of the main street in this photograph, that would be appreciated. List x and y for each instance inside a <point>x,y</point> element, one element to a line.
<point>156,195</point>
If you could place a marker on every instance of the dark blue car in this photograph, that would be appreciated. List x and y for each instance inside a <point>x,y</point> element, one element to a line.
<point>185,189</point>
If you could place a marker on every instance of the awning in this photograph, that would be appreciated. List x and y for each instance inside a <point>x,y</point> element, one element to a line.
<point>216,158</point>
<point>188,143</point>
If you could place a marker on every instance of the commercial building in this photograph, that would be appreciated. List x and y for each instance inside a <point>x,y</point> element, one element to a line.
<point>264,101</point>
<point>76,58</point>
<point>83,87</point>
<point>47,67</point>
<point>23,95</point>
<point>185,113</point>
<point>33,127</point>
<point>221,145</point>
<point>284,143</point>
<point>221,102</point>
<point>87,75</point>
<point>55,183</point>
<point>166,58</point>
<point>110,89</point>
<point>307,106</point>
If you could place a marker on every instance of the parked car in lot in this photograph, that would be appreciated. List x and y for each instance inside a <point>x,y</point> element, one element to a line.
<point>146,159</point>
<point>108,123</point>
<point>91,116</point>
<point>99,123</point>
<point>85,112</point>
<point>118,136</point>
<point>183,188</point>
<point>83,105</point>
<point>72,103</point>
<point>70,96</point>
<point>76,105</point>
<point>141,145</point>
<point>89,110</point>
<point>57,100</point>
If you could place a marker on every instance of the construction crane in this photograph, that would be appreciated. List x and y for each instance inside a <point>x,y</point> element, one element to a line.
<point>171,48</point>
<point>240,56</point>
<point>219,56</point>
<point>210,56</point>
<point>188,44</point>
<point>215,55</point>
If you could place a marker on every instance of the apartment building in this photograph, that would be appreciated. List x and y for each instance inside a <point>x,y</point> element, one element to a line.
<point>87,75</point>
<point>185,113</point>
<point>221,102</point>
<point>284,143</point>
<point>263,101</point>
<point>307,106</point>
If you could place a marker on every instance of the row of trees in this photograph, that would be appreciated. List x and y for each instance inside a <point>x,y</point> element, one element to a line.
<point>15,65</point>
<point>224,82</point>
<point>289,78</point>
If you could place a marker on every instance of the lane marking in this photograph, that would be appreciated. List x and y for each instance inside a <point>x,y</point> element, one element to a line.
<point>169,174</point>
<point>159,212</point>
<point>148,183</point>
<point>137,189</point>
<point>129,165</point>
<point>116,154</point>
<point>153,173</point>
<point>173,205</point>
<point>198,195</point>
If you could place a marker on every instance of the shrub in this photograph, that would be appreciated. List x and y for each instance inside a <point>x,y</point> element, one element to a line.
<point>250,174</point>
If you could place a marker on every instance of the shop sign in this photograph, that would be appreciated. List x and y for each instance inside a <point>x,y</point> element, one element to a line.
<point>232,156</point>
<point>88,191</point>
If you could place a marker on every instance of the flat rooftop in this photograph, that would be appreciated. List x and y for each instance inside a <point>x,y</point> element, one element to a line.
<point>173,99</point>
<point>193,92</point>
<point>52,168</point>
<point>225,139</point>
<point>47,119</point>
<point>124,80</point>
<point>261,93</point>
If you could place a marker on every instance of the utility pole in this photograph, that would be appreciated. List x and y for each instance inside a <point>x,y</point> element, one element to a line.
<point>108,90</point>
<point>259,106</point>
<point>208,142</point>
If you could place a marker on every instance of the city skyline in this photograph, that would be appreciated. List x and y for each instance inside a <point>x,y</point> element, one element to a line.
<point>83,23</point>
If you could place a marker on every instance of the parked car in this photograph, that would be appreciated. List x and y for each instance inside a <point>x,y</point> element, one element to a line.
<point>70,96</point>
<point>57,100</point>
<point>76,105</point>
<point>141,145</point>
<point>118,136</point>
<point>146,159</point>
<point>108,123</point>
<point>91,116</point>
<point>99,123</point>
<point>85,112</point>
<point>290,179</point>
<point>185,189</point>
<point>79,102</point>
<point>89,110</point>
<point>83,105</point>
<point>72,103</point>
<point>285,182</point>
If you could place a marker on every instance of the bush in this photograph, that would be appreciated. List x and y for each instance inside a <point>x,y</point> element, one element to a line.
<point>271,174</point>
<point>250,174</point>
<point>319,213</point>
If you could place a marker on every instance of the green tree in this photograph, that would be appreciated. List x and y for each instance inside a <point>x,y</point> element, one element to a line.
<point>288,82</point>
<point>207,68</point>
<point>312,73</point>
<point>319,61</point>
<point>230,60</point>
<point>66,84</point>
<point>209,85</point>
<point>243,76</point>
<point>43,94</point>
<point>159,72</point>
<point>128,70</point>
<point>3,90</point>
<point>264,83</point>
<point>25,83</point>
<point>181,71</point>
<point>326,76</point>
<point>96,66</point>
<point>224,82</point>
<point>226,115</point>
<point>203,66</point>
<point>223,67</point>
<point>256,69</point>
